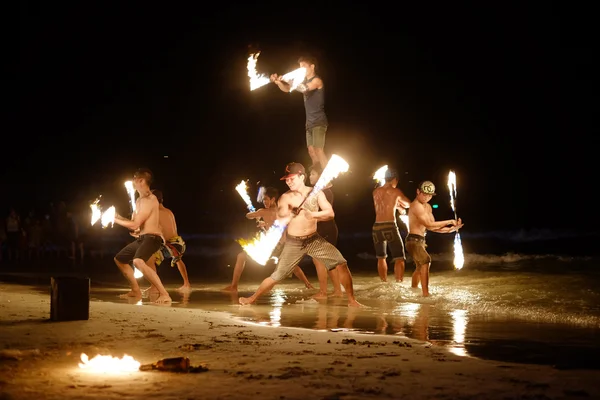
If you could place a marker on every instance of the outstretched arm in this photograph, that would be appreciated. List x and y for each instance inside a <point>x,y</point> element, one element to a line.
<point>427,220</point>
<point>256,214</point>
<point>282,85</point>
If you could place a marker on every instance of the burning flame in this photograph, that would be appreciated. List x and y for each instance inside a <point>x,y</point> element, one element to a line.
<point>379,175</point>
<point>131,192</point>
<point>459,258</point>
<point>261,247</point>
<point>105,364</point>
<point>108,217</point>
<point>96,213</point>
<point>294,78</point>
<point>256,80</point>
<point>242,189</point>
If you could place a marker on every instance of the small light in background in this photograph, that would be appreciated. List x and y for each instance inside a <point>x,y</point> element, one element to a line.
<point>434,206</point>
<point>165,156</point>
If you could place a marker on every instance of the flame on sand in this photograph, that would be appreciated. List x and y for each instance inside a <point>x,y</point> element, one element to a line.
<point>379,176</point>
<point>106,364</point>
<point>459,258</point>
<point>257,80</point>
<point>261,247</point>
<point>242,189</point>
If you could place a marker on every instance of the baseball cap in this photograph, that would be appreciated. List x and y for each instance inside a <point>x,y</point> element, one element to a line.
<point>427,187</point>
<point>391,173</point>
<point>292,169</point>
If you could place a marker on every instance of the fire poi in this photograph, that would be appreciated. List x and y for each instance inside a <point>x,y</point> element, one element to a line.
<point>459,258</point>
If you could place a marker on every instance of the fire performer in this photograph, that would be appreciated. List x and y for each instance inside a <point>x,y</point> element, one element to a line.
<point>174,246</point>
<point>313,91</point>
<point>302,239</point>
<point>266,217</point>
<point>149,241</point>
<point>420,217</point>
<point>387,199</point>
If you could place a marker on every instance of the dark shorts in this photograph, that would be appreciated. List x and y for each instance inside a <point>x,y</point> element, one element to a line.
<point>296,248</point>
<point>415,246</point>
<point>143,247</point>
<point>316,136</point>
<point>385,234</point>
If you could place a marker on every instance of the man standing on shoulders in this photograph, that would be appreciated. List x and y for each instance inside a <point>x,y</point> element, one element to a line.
<point>313,91</point>
<point>420,220</point>
<point>146,219</point>
<point>387,199</point>
<point>174,246</point>
<point>300,213</point>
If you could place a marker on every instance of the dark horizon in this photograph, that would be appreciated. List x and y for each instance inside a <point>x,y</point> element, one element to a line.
<point>499,95</point>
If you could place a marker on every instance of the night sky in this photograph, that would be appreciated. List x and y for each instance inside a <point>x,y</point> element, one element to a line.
<point>500,95</point>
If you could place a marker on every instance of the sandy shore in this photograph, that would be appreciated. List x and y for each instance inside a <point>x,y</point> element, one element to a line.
<point>39,360</point>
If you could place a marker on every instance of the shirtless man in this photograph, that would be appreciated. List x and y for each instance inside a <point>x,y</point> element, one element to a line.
<point>300,214</point>
<point>174,246</point>
<point>420,220</point>
<point>387,199</point>
<point>266,217</point>
<point>146,219</point>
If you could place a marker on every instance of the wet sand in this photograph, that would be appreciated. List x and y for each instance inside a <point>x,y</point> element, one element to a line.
<point>39,359</point>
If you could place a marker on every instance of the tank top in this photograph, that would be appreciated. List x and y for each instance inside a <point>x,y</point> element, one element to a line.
<point>314,104</point>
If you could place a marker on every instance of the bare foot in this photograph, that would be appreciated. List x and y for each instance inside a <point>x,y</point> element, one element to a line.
<point>308,285</point>
<point>245,301</point>
<point>319,296</point>
<point>230,288</point>
<point>399,280</point>
<point>337,294</point>
<point>131,294</point>
<point>185,288</point>
<point>163,299</point>
<point>354,303</point>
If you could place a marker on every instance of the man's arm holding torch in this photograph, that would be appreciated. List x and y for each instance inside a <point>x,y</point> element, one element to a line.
<point>284,86</point>
<point>429,222</point>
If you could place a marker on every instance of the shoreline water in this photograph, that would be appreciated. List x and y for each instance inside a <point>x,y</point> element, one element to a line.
<point>40,358</point>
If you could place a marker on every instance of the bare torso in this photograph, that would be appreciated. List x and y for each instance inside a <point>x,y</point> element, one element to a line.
<point>385,199</point>
<point>151,225</point>
<point>416,227</point>
<point>167,222</point>
<point>299,225</point>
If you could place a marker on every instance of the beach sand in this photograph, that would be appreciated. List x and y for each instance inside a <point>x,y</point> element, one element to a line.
<point>39,359</point>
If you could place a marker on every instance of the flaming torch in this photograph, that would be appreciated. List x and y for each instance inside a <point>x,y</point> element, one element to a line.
<point>257,80</point>
<point>108,217</point>
<point>131,193</point>
<point>242,189</point>
<point>96,212</point>
<point>459,258</point>
<point>261,247</point>
<point>379,176</point>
